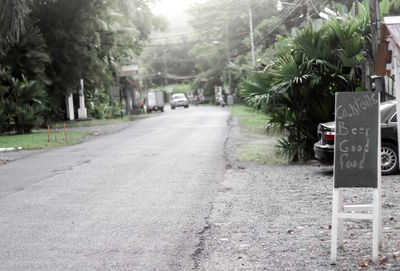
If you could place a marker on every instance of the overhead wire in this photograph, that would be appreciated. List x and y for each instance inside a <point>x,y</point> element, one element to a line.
<point>282,19</point>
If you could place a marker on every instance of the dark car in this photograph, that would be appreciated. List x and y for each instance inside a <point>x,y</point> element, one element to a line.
<point>324,148</point>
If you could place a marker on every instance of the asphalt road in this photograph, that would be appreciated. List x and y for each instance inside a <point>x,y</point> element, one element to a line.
<point>134,200</point>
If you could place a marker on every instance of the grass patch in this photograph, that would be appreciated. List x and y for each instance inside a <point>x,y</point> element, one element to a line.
<point>89,122</point>
<point>250,121</point>
<point>242,110</point>
<point>39,140</point>
<point>260,152</point>
<point>260,145</point>
<point>253,126</point>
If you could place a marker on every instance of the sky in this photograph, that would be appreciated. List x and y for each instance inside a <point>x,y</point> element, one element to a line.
<point>174,12</point>
<point>173,6</point>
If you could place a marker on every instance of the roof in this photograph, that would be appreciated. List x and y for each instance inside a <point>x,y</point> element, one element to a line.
<point>389,45</point>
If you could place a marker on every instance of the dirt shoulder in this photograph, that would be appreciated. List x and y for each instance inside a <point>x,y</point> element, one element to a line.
<point>268,217</point>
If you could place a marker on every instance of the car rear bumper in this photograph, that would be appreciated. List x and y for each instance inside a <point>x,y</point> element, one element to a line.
<point>180,104</point>
<point>323,153</point>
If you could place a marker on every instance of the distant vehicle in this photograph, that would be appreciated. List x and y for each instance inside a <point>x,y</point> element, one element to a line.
<point>219,97</point>
<point>155,101</point>
<point>324,148</point>
<point>179,99</point>
<point>190,96</point>
<point>220,101</point>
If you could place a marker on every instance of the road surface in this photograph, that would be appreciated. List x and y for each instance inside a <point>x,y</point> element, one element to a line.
<point>134,200</point>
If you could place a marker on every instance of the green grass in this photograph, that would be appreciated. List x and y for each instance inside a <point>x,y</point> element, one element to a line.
<point>251,122</point>
<point>260,152</point>
<point>260,145</point>
<point>242,110</point>
<point>89,122</point>
<point>39,140</point>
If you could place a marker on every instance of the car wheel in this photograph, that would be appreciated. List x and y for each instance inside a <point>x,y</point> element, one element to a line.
<point>389,158</point>
<point>186,106</point>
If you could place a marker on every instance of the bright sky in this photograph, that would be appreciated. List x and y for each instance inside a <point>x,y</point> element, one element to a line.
<point>173,6</point>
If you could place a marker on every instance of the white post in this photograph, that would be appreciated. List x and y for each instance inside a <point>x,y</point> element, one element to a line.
<point>253,58</point>
<point>69,102</point>
<point>82,112</point>
<point>397,91</point>
<point>129,104</point>
<point>375,226</point>
<point>340,220</point>
<point>334,231</point>
<point>379,188</point>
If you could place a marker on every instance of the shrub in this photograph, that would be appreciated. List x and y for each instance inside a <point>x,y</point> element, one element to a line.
<point>22,105</point>
<point>297,90</point>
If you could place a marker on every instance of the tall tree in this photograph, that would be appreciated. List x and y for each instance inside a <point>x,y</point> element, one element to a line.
<point>12,18</point>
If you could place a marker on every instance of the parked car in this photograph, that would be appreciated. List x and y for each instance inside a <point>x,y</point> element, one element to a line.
<point>324,148</point>
<point>179,99</point>
<point>154,101</point>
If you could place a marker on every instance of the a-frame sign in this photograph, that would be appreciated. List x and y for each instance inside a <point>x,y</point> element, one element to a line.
<point>356,164</point>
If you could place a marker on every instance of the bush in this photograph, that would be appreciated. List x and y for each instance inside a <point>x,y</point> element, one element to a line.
<point>98,104</point>
<point>297,90</point>
<point>22,105</point>
<point>118,109</point>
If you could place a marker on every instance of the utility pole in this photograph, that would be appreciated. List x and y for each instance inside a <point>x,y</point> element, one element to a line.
<point>356,7</point>
<point>253,57</point>
<point>165,67</point>
<point>307,10</point>
<point>228,55</point>
<point>374,15</point>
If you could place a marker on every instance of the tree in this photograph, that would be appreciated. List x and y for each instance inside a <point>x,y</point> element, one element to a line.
<point>222,37</point>
<point>89,39</point>
<point>23,102</point>
<point>12,19</point>
<point>297,89</point>
<point>26,104</point>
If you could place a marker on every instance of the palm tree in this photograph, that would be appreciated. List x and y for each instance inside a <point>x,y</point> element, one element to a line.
<point>12,17</point>
<point>298,87</point>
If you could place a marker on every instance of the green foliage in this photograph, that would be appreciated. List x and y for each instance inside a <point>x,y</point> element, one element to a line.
<point>23,105</point>
<point>98,104</point>
<point>12,22</point>
<point>389,8</point>
<point>72,30</point>
<point>28,56</point>
<point>222,24</point>
<point>255,90</point>
<point>297,90</point>
<point>23,102</point>
<point>90,39</point>
<point>118,109</point>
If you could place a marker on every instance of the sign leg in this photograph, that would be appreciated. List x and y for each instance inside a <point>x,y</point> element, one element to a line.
<point>380,215</point>
<point>334,231</point>
<point>375,227</point>
<point>340,220</point>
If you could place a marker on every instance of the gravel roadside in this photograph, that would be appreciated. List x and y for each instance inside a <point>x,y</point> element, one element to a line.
<point>279,218</point>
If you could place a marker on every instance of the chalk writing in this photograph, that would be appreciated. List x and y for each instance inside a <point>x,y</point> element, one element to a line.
<point>356,141</point>
<point>357,106</point>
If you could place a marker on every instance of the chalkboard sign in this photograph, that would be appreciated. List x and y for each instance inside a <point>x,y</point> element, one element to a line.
<point>356,140</point>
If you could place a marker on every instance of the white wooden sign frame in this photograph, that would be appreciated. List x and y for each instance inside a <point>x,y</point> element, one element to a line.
<point>373,211</point>
<point>396,69</point>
